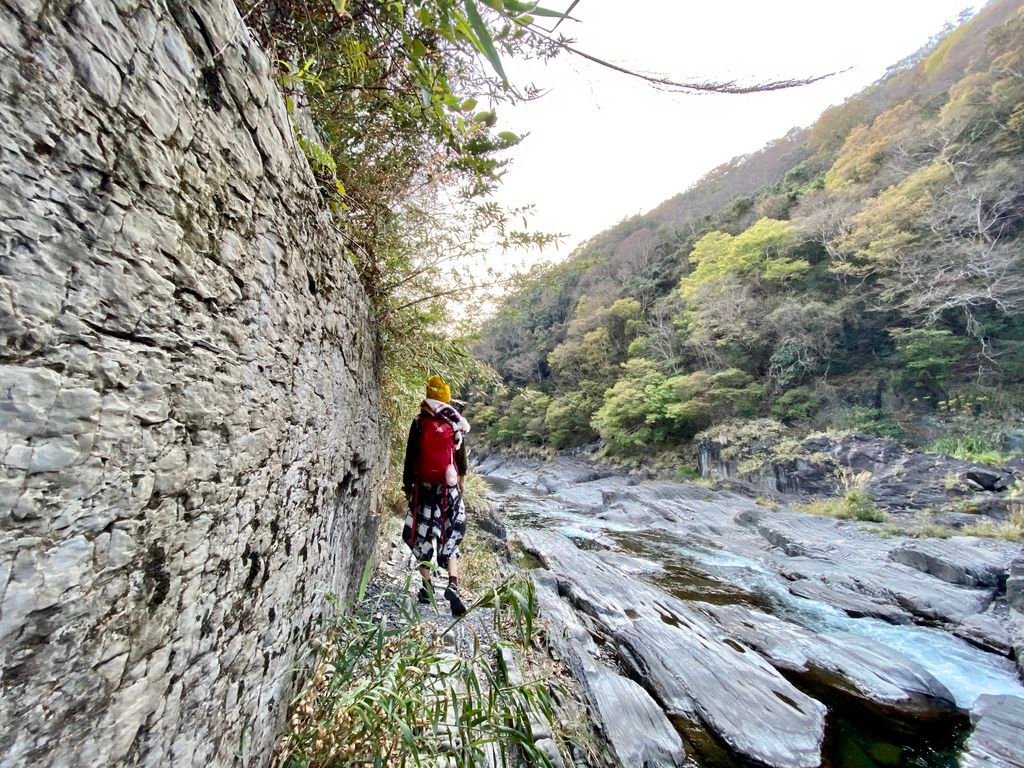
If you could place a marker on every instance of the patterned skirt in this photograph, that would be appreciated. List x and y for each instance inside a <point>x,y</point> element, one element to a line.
<point>435,512</point>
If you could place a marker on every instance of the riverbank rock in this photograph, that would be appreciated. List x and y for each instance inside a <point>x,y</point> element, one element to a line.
<point>853,604</point>
<point>998,737</point>
<point>635,727</point>
<point>549,475</point>
<point>687,662</point>
<point>842,562</point>
<point>897,479</point>
<point>967,562</point>
<point>875,677</point>
<point>1015,584</point>
<point>991,630</point>
<point>738,570</point>
<point>1015,600</point>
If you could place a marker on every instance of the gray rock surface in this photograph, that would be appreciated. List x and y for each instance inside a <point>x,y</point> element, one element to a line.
<point>691,667</point>
<point>1015,600</point>
<point>853,604</point>
<point>840,561</point>
<point>970,563</point>
<point>897,479</point>
<point>691,541</point>
<point>998,737</point>
<point>549,475</point>
<point>1015,584</point>
<point>188,411</point>
<point>636,729</point>
<point>988,630</point>
<point>875,676</point>
<point>1012,441</point>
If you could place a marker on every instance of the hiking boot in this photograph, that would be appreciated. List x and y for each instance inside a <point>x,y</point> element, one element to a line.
<point>451,594</point>
<point>423,598</point>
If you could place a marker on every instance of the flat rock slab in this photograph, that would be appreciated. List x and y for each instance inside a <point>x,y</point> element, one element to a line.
<point>854,565</point>
<point>967,561</point>
<point>998,737</point>
<point>548,476</point>
<point>636,728</point>
<point>852,603</point>
<point>877,677</point>
<point>895,584</point>
<point>689,664</point>
<point>988,630</point>
<point>590,494</point>
<point>629,564</point>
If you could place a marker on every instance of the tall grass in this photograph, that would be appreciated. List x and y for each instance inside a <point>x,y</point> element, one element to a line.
<point>979,449</point>
<point>386,694</point>
<point>1009,530</point>
<point>855,504</point>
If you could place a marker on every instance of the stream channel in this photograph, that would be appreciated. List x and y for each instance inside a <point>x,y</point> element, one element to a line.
<point>700,570</point>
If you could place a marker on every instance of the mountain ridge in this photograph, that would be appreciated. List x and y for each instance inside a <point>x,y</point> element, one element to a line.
<point>786,267</point>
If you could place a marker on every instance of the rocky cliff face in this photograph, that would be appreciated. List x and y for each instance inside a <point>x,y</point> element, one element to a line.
<point>189,429</point>
<point>897,479</point>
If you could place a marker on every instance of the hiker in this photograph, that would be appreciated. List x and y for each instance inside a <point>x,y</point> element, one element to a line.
<point>434,482</point>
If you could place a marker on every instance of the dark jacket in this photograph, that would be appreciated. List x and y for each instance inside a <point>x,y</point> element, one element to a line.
<point>412,449</point>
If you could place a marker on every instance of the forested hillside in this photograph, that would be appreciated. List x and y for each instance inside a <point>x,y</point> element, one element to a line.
<point>848,275</point>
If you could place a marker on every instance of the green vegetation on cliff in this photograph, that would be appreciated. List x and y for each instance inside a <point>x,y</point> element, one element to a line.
<point>866,268</point>
<point>394,104</point>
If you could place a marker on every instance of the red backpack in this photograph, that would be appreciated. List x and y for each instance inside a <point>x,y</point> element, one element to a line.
<point>437,450</point>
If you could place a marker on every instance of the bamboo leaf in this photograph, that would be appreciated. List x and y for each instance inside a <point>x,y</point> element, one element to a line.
<point>518,8</point>
<point>483,35</point>
<point>368,568</point>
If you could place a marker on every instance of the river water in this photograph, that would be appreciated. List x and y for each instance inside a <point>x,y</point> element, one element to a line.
<point>692,572</point>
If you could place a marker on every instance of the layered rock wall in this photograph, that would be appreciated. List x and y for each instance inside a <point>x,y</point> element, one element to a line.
<point>189,429</point>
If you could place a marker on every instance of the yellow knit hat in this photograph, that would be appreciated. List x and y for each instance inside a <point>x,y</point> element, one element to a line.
<point>437,389</point>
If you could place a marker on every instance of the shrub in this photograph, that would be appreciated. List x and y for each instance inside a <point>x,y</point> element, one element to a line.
<point>870,421</point>
<point>568,416</point>
<point>1010,530</point>
<point>854,505</point>
<point>646,409</point>
<point>980,449</point>
<point>927,354</point>
<point>798,404</point>
<point>523,421</point>
<point>933,531</point>
<point>475,495</point>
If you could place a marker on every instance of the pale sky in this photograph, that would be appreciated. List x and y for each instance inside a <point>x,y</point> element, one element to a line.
<point>603,146</point>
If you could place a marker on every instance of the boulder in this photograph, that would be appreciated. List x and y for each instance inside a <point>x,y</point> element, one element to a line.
<point>988,479</point>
